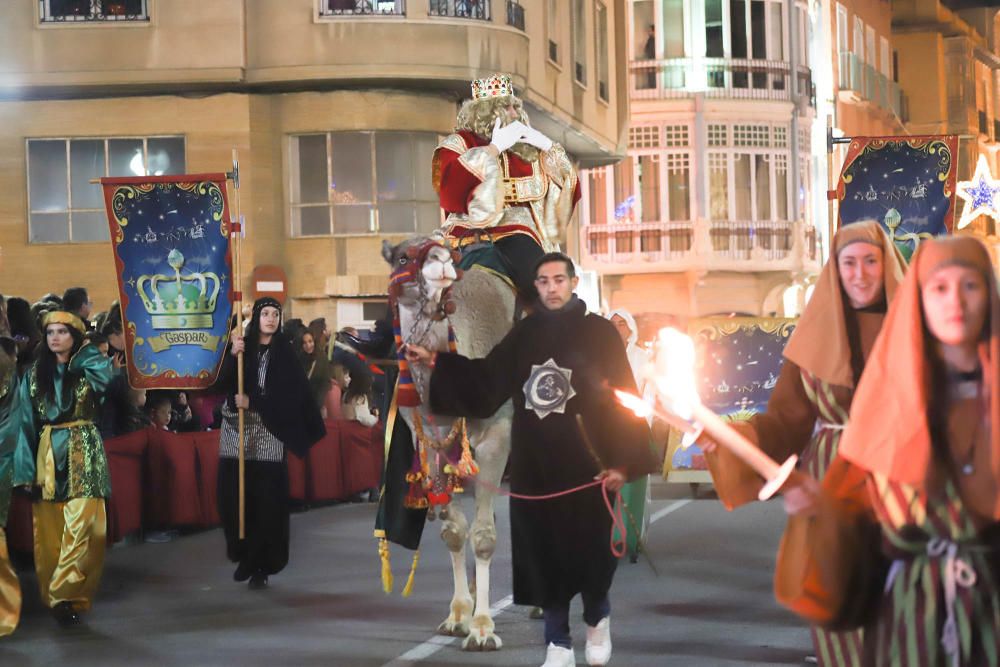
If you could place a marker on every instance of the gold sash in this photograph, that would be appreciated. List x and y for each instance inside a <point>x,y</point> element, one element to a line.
<point>45,462</point>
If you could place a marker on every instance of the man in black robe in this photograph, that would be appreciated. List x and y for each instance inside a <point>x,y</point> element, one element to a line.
<point>280,416</point>
<point>555,365</point>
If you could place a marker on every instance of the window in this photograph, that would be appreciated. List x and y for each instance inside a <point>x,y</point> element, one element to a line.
<point>648,173</point>
<point>714,42</point>
<point>673,28</point>
<point>802,34</point>
<point>64,206</point>
<point>601,28</point>
<point>870,53</point>
<point>349,183</point>
<point>579,42</point>
<point>885,63</point>
<point>597,201</point>
<point>675,135</point>
<point>362,7</point>
<point>842,36</point>
<point>858,46</point>
<point>751,180</point>
<point>678,179</point>
<point>718,186</point>
<point>644,136</point>
<point>718,135</point>
<point>58,11</point>
<point>515,14</point>
<point>552,29</point>
<point>462,9</point>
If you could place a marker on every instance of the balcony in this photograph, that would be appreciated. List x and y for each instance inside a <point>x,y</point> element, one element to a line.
<point>709,246</point>
<point>867,83</point>
<point>716,77</point>
<point>461,9</point>
<point>362,8</point>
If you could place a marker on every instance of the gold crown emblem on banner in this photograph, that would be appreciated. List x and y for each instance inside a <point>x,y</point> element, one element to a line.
<point>179,301</point>
<point>498,85</point>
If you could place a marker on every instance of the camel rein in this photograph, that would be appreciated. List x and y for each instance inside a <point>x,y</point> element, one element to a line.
<point>618,546</point>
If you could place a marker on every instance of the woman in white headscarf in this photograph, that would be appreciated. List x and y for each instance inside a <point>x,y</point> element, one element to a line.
<point>635,494</point>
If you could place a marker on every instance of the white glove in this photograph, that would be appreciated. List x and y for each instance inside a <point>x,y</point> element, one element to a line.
<point>508,135</point>
<point>537,139</point>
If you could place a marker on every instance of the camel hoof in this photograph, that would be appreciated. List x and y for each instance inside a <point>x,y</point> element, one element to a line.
<point>453,629</point>
<point>476,642</point>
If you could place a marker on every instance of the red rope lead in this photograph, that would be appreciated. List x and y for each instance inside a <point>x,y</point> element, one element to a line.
<point>618,546</point>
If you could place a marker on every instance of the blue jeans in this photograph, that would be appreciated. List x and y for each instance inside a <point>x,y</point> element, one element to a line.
<point>595,608</point>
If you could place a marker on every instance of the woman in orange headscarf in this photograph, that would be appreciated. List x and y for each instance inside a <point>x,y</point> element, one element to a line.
<point>808,408</point>
<point>903,536</point>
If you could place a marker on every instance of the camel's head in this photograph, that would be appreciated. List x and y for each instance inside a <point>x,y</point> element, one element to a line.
<point>423,268</point>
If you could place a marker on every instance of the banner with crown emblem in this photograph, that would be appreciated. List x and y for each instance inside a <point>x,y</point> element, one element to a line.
<point>906,183</point>
<point>170,236</point>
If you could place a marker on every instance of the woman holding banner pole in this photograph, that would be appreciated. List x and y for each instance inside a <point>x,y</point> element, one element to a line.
<point>60,453</point>
<point>279,415</point>
<point>808,409</point>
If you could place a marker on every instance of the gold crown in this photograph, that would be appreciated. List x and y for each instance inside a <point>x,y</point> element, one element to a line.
<point>498,85</point>
<point>179,302</point>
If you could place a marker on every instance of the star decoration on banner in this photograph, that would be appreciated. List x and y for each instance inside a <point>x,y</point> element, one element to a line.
<point>980,195</point>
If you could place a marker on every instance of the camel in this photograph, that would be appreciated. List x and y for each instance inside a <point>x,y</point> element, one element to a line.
<point>424,281</point>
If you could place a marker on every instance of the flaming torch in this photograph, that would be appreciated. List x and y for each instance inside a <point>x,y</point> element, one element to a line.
<point>673,375</point>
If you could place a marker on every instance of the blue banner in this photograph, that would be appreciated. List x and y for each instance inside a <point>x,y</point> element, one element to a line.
<point>738,360</point>
<point>170,236</point>
<point>906,183</point>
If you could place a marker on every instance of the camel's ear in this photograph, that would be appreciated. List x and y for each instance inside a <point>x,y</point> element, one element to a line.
<point>387,251</point>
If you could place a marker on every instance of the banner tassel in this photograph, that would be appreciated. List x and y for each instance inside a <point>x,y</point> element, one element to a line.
<point>413,571</point>
<point>383,552</point>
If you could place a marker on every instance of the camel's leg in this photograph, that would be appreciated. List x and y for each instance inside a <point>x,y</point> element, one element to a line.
<point>454,532</point>
<point>491,456</point>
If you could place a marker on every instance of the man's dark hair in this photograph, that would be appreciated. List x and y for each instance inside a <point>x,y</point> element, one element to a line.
<point>74,299</point>
<point>556,257</point>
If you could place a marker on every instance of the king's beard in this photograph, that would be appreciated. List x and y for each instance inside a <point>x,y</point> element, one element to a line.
<point>526,152</point>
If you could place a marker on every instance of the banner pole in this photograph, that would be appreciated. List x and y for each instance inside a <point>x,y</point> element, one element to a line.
<point>238,279</point>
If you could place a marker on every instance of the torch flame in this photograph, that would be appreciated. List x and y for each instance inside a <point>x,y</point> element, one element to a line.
<point>634,403</point>
<point>673,374</point>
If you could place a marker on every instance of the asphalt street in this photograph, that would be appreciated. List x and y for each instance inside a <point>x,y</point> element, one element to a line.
<point>703,598</point>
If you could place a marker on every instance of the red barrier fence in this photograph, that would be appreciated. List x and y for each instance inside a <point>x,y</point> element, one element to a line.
<point>168,480</point>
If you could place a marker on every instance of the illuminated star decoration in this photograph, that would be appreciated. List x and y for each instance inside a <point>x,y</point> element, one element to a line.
<point>980,195</point>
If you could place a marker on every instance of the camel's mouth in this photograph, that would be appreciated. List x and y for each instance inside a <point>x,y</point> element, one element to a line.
<point>440,283</point>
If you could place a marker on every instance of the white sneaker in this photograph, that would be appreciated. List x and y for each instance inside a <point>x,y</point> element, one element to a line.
<point>599,642</point>
<point>557,656</point>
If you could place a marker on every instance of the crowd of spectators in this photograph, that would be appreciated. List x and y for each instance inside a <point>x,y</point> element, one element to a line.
<point>342,382</point>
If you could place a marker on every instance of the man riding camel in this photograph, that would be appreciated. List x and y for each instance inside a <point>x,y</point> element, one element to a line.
<point>504,185</point>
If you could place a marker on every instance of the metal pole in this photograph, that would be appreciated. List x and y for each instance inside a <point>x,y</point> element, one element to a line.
<point>237,231</point>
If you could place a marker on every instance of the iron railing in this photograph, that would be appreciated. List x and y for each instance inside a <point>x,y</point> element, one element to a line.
<point>461,9</point>
<point>70,11</point>
<point>740,78</point>
<point>730,240</point>
<point>362,8</point>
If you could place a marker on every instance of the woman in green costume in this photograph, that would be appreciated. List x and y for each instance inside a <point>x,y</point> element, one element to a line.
<point>60,451</point>
<point>10,590</point>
